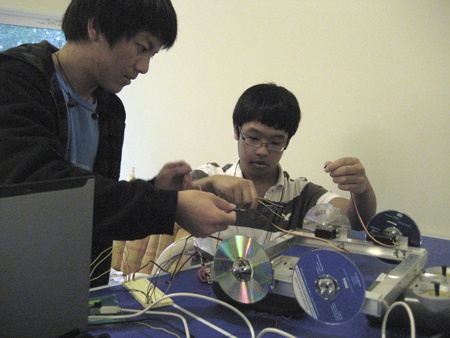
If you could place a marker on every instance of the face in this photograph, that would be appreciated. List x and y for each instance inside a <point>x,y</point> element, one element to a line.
<point>115,67</point>
<point>259,163</point>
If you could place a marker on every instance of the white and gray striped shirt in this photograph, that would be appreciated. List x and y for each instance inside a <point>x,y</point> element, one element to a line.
<point>291,200</point>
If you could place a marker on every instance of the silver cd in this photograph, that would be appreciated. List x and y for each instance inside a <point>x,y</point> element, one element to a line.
<point>243,269</point>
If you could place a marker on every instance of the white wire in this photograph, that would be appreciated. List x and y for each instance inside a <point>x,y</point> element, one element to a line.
<point>174,295</point>
<point>214,300</point>
<point>273,330</point>
<point>410,314</point>
<point>186,328</point>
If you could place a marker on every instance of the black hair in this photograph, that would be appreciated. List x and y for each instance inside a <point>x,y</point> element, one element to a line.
<point>118,19</point>
<point>269,104</point>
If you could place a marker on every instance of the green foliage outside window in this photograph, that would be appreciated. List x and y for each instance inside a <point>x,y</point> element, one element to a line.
<point>13,35</point>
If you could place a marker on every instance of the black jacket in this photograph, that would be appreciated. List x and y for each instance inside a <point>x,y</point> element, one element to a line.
<point>33,142</point>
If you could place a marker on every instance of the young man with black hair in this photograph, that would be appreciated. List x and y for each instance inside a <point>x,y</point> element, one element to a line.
<point>60,117</point>
<point>265,118</point>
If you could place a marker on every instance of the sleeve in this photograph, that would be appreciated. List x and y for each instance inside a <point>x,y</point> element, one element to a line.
<point>309,197</point>
<point>293,212</point>
<point>206,170</point>
<point>286,215</point>
<point>32,148</point>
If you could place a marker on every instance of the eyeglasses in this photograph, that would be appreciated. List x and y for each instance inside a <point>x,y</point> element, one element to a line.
<point>254,142</point>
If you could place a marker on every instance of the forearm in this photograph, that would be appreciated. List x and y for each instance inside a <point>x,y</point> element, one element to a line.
<point>132,210</point>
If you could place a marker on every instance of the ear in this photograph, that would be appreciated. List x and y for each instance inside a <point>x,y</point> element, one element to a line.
<point>236,132</point>
<point>93,30</point>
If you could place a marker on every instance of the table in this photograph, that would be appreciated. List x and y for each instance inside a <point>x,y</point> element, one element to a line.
<point>231,324</point>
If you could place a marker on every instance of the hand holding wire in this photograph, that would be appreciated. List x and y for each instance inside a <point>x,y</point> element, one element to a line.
<point>203,213</point>
<point>349,174</point>
<point>237,190</point>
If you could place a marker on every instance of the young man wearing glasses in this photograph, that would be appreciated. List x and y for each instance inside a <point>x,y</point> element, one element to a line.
<point>265,118</point>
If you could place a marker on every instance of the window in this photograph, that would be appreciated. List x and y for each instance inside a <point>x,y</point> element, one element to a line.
<point>19,28</point>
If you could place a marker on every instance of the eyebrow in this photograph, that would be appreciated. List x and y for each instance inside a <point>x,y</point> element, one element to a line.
<point>276,136</point>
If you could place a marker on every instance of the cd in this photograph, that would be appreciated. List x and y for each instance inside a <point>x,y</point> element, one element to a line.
<point>393,223</point>
<point>325,214</point>
<point>243,270</point>
<point>328,286</point>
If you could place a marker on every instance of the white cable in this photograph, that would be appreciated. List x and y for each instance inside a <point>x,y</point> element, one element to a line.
<point>138,313</point>
<point>180,294</point>
<point>186,328</point>
<point>410,314</point>
<point>214,300</point>
<point>273,330</point>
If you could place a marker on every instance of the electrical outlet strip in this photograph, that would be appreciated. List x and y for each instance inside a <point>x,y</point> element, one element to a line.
<point>146,293</point>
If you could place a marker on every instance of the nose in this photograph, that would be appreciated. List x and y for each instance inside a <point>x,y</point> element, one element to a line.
<point>262,149</point>
<point>143,64</point>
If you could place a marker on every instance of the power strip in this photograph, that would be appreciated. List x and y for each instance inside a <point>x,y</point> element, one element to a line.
<point>146,293</point>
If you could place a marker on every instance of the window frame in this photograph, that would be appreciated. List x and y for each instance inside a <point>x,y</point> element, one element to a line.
<point>35,28</point>
<point>30,20</point>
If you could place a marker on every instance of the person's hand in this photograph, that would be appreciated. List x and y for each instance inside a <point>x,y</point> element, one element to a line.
<point>349,174</point>
<point>174,176</point>
<point>203,213</point>
<point>239,191</point>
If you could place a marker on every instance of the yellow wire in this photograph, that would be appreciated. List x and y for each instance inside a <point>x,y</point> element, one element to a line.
<point>96,265</point>
<point>298,234</point>
<point>293,232</point>
<point>159,328</point>
<point>101,253</point>
<point>364,226</point>
<point>266,203</point>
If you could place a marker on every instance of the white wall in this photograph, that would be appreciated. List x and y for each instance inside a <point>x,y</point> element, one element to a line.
<point>372,79</point>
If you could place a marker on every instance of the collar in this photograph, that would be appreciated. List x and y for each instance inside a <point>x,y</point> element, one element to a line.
<point>235,170</point>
